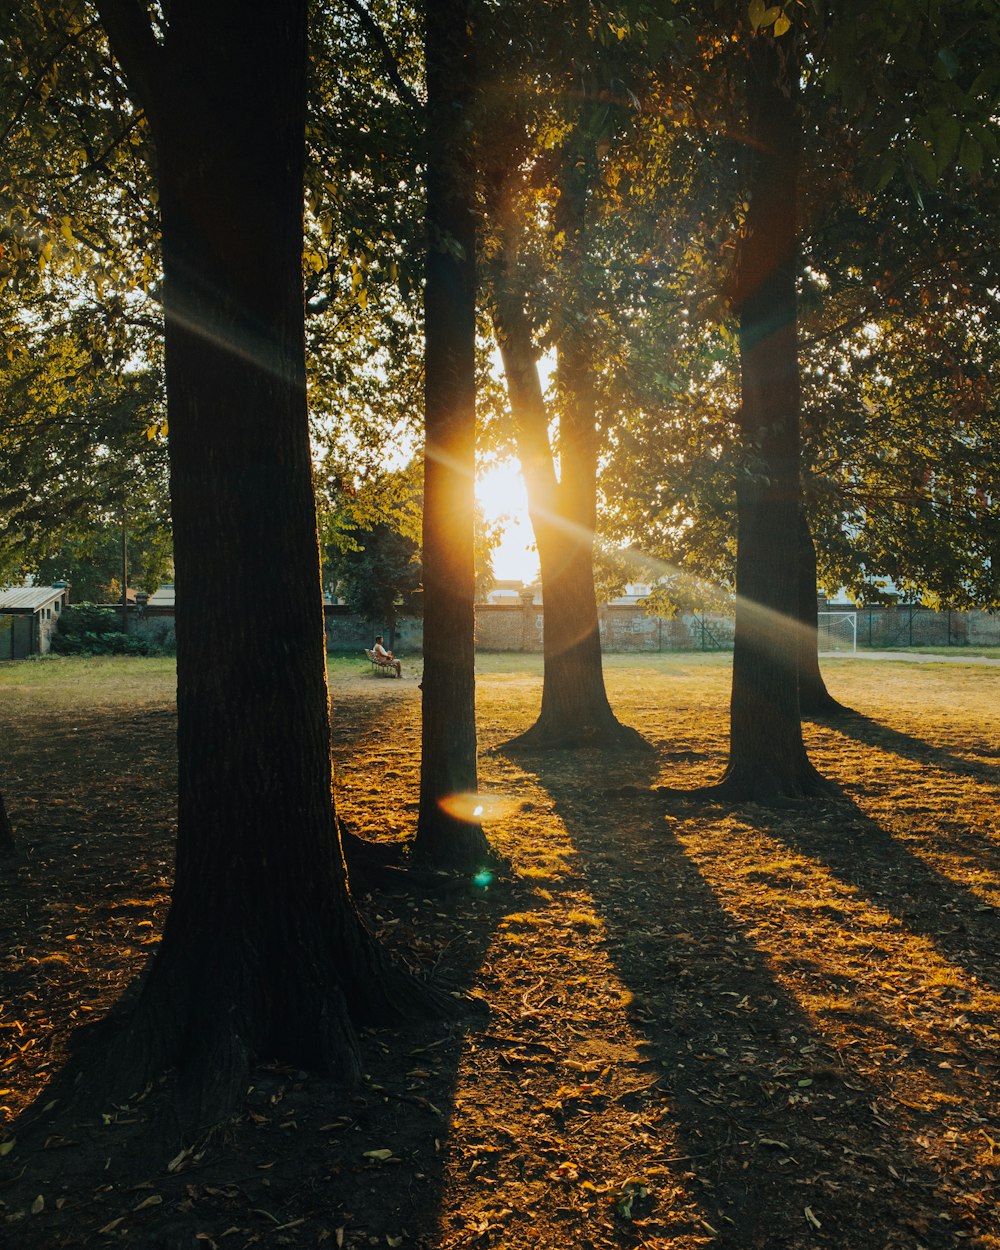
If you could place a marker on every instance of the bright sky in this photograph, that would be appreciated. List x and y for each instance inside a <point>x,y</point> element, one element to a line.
<point>501,495</point>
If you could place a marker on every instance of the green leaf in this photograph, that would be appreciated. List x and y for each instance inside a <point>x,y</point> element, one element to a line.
<point>946,142</point>
<point>970,156</point>
<point>949,61</point>
<point>923,161</point>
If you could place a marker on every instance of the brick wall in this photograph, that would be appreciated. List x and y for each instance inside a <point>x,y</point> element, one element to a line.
<point>627,628</point>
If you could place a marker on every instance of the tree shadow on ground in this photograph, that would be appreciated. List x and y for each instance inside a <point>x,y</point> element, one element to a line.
<point>787,1136</point>
<point>870,732</point>
<point>962,927</point>
<point>303,1157</point>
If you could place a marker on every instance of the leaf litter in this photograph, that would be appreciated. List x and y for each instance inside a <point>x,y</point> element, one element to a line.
<point>708,1025</point>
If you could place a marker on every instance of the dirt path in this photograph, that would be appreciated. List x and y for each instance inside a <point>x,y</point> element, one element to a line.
<point>913,657</point>
<point>707,1026</point>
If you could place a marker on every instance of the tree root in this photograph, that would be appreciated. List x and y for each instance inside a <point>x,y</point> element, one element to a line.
<point>824,706</point>
<point>609,737</point>
<point>762,786</point>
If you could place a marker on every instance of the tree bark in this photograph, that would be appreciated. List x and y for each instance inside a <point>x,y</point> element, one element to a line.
<point>448,831</point>
<point>814,698</point>
<point>767,755</point>
<point>575,710</point>
<point>263,954</point>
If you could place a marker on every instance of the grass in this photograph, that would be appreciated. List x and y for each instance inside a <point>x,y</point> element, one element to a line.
<point>704,1020</point>
<point>61,683</point>
<point>962,651</point>
<point>64,682</point>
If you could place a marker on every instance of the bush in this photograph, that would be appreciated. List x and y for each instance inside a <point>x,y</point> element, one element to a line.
<point>86,629</point>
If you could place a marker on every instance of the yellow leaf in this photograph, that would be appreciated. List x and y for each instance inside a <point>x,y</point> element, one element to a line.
<point>781,25</point>
<point>38,1205</point>
<point>7,1146</point>
<point>112,1225</point>
<point>381,1155</point>
<point>153,1200</point>
<point>66,230</point>
<point>761,16</point>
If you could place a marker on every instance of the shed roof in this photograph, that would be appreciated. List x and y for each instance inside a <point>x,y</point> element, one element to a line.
<point>29,598</point>
<point>163,597</point>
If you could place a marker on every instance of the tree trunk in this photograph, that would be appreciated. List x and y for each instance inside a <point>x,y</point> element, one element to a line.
<point>814,698</point>
<point>263,954</point>
<point>448,831</point>
<point>575,710</point>
<point>767,756</point>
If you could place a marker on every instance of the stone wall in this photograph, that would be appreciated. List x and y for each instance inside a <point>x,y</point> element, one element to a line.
<point>905,626</point>
<point>627,628</point>
<point>348,631</point>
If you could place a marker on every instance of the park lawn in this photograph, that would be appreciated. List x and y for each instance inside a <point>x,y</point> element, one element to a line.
<point>708,1026</point>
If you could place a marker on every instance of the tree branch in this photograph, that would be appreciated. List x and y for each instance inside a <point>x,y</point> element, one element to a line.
<point>390,65</point>
<point>135,48</point>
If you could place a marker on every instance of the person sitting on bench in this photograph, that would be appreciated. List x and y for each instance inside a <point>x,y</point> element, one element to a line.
<point>386,657</point>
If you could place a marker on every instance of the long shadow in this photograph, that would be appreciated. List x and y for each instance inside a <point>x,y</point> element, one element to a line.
<point>771,1118</point>
<point>964,929</point>
<point>303,1156</point>
<point>876,734</point>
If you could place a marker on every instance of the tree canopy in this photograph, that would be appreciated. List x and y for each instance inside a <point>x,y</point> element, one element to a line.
<point>758,244</point>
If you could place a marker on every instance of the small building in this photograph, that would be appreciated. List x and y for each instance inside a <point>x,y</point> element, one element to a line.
<point>162,597</point>
<point>29,616</point>
<point>633,593</point>
<point>513,593</point>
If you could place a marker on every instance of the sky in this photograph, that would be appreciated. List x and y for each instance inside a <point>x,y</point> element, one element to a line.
<point>501,495</point>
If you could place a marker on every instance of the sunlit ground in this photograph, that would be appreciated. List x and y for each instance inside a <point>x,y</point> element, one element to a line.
<point>708,1027</point>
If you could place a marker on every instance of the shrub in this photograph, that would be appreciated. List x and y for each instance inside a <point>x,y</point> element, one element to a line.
<point>87,629</point>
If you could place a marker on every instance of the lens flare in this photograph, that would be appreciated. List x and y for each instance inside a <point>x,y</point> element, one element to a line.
<point>476,808</point>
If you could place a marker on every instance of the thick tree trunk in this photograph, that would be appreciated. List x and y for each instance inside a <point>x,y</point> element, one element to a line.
<point>767,759</point>
<point>263,954</point>
<point>575,710</point>
<point>448,831</point>
<point>814,698</point>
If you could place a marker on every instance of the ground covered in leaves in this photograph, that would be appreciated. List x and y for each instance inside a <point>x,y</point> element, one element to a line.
<point>708,1026</point>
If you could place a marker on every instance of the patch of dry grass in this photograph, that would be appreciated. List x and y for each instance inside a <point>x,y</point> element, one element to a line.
<point>710,1026</point>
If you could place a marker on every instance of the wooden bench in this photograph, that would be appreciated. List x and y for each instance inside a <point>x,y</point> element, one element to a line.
<point>384,668</point>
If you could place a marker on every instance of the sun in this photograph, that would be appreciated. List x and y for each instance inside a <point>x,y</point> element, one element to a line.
<point>501,495</point>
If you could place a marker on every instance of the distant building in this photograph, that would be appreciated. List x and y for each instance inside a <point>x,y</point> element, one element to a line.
<point>633,593</point>
<point>513,591</point>
<point>29,616</point>
<point>162,597</point>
